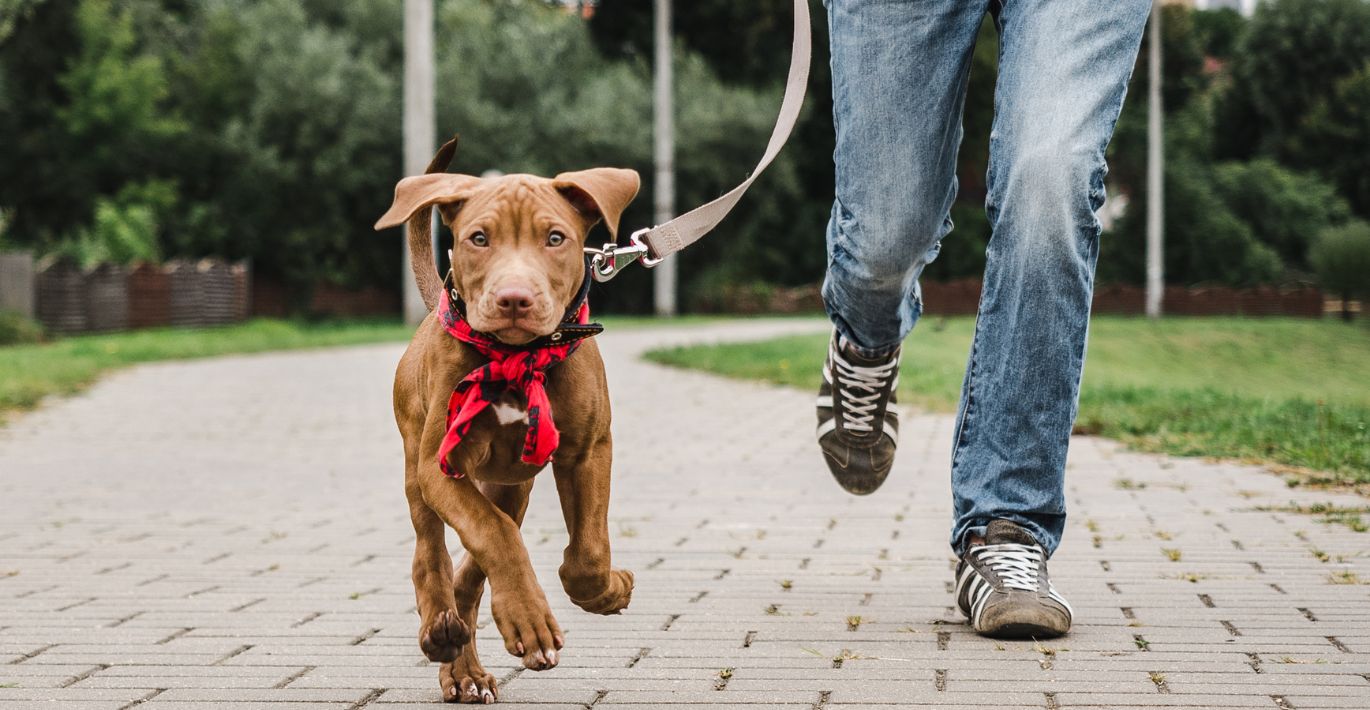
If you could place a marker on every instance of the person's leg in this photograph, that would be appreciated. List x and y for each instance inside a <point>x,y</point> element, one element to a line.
<point>1063,72</point>
<point>899,71</point>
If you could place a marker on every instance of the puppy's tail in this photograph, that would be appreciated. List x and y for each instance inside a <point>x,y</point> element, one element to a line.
<point>421,233</point>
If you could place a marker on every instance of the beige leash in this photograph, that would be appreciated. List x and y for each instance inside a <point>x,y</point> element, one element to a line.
<point>650,246</point>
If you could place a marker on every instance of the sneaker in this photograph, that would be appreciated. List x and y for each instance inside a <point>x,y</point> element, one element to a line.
<point>857,428</point>
<point>1003,588</point>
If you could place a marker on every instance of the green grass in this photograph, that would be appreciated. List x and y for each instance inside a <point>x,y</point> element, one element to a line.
<point>1284,391</point>
<point>28,373</point>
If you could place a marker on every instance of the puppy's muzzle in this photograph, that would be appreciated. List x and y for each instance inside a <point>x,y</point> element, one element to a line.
<point>513,303</point>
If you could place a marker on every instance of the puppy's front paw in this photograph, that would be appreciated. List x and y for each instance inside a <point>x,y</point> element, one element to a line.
<point>528,627</point>
<point>615,597</point>
<point>464,681</point>
<point>443,637</point>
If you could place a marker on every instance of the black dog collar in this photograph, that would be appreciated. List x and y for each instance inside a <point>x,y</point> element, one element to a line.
<point>570,331</point>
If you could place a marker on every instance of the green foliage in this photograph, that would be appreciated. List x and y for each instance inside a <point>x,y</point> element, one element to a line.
<point>1334,138</point>
<point>776,234</point>
<point>117,93</point>
<point>1341,257</point>
<point>1208,240</point>
<point>1291,58</point>
<point>513,119</point>
<point>1182,56</point>
<point>11,11</point>
<point>125,227</point>
<point>276,126</point>
<point>747,42</point>
<point>16,329</point>
<point>299,153</point>
<point>1284,209</point>
<point>1219,31</point>
<point>1250,220</point>
<point>271,130</point>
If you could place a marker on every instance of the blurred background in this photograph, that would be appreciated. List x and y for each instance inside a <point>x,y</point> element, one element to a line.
<point>157,133</point>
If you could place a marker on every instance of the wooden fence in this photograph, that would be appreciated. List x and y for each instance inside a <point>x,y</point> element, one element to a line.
<point>208,292</point>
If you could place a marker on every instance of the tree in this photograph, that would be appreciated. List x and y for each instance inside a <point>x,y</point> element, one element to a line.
<point>86,113</point>
<point>1342,259</point>
<point>746,42</point>
<point>11,12</point>
<point>293,174</point>
<point>1283,208</point>
<point>1292,57</point>
<point>1182,55</point>
<point>38,159</point>
<point>1219,31</point>
<point>1206,240</point>
<point>1334,139</point>
<point>785,212</point>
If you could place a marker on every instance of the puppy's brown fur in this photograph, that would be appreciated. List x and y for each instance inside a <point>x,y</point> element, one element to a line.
<point>516,214</point>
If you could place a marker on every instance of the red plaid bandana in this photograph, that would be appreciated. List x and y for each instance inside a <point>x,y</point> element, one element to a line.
<point>520,368</point>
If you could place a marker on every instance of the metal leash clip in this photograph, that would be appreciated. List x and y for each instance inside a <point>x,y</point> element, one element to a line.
<point>607,261</point>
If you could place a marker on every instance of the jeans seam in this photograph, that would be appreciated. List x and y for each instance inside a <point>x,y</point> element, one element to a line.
<point>961,431</point>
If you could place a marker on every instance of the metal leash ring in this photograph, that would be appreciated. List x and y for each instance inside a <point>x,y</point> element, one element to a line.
<point>607,261</point>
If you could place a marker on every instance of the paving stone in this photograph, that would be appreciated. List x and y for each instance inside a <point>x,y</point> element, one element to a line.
<point>233,533</point>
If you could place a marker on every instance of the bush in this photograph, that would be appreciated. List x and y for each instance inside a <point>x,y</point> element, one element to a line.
<point>1334,139</point>
<point>1284,209</point>
<point>125,227</point>
<point>1342,259</point>
<point>16,329</point>
<point>1206,240</point>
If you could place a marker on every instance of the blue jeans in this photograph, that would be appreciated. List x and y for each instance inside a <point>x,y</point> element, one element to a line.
<point>899,71</point>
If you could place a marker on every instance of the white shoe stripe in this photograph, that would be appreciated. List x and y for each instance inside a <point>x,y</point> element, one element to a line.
<point>826,427</point>
<point>982,594</point>
<point>825,401</point>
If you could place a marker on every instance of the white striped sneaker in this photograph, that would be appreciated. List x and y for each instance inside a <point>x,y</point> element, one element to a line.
<point>1003,588</point>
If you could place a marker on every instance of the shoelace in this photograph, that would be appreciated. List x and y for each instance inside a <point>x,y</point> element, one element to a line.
<point>859,410</point>
<point>1016,565</point>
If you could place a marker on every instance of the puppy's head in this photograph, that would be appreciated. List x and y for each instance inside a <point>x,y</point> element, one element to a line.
<point>517,258</point>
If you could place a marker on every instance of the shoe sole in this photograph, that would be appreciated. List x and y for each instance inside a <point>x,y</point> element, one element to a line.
<point>1019,632</point>
<point>855,484</point>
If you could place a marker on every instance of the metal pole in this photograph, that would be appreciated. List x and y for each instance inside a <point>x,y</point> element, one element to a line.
<point>420,129</point>
<point>1155,177</point>
<point>664,284</point>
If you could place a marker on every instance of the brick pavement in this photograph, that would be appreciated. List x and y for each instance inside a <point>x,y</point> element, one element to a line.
<point>232,533</point>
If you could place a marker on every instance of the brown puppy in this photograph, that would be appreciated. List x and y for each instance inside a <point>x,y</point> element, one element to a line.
<point>518,264</point>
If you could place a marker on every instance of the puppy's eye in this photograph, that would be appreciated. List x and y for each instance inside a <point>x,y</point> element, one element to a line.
<point>555,239</point>
<point>479,239</point>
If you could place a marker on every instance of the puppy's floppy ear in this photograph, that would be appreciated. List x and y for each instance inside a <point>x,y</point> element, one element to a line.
<point>600,193</point>
<point>424,191</point>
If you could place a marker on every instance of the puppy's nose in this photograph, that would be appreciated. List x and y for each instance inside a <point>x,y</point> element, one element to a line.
<point>514,302</point>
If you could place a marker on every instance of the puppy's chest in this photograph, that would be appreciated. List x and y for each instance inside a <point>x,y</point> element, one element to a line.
<point>510,409</point>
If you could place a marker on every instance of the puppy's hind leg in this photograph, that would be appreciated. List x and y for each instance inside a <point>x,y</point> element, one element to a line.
<point>465,680</point>
<point>442,631</point>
